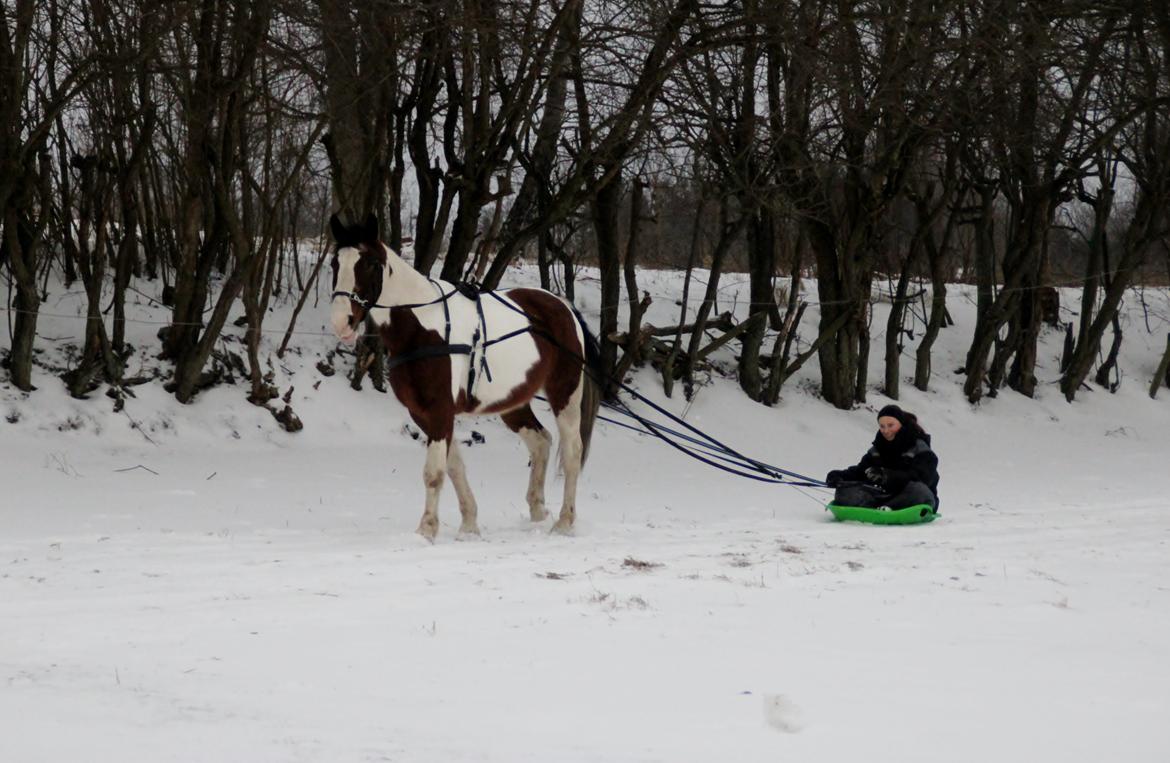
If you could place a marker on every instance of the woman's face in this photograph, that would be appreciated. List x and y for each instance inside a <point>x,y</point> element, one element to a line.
<point>889,427</point>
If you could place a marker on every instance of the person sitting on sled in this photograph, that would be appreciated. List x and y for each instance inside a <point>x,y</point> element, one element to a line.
<point>900,470</point>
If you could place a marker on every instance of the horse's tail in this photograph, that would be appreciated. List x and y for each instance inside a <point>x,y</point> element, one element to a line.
<point>592,376</point>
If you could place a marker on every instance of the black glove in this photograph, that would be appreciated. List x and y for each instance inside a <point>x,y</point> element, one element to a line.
<point>835,478</point>
<point>876,475</point>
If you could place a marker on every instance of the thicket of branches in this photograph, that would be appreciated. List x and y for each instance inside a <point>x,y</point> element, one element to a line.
<point>185,148</point>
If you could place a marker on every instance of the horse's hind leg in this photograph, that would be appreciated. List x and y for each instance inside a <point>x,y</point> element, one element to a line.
<point>433,475</point>
<point>569,427</point>
<point>523,422</point>
<point>457,471</point>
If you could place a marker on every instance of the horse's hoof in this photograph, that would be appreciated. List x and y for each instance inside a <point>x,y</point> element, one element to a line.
<point>538,515</point>
<point>428,532</point>
<point>562,527</point>
<point>468,532</point>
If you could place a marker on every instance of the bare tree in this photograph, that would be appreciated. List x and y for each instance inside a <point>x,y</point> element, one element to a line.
<point>30,45</point>
<point>852,113</point>
<point>361,77</point>
<point>1144,150</point>
<point>226,40</point>
<point>605,140</point>
<point>937,251</point>
<point>103,197</point>
<point>1038,137</point>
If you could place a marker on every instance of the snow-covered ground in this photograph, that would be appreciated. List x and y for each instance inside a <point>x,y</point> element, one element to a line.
<point>227,591</point>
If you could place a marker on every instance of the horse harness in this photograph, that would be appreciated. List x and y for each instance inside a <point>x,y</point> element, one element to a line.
<point>479,342</point>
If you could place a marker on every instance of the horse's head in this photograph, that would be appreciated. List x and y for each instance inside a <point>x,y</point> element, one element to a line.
<point>359,264</point>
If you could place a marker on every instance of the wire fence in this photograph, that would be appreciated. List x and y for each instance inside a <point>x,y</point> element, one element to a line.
<point>597,312</point>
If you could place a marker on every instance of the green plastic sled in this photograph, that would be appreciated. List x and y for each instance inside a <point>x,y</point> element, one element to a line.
<point>911,515</point>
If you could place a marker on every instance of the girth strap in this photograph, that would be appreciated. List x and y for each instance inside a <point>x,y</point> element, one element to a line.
<point>430,351</point>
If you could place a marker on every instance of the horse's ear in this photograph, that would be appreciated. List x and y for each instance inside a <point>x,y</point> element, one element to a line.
<point>336,228</point>
<point>371,229</point>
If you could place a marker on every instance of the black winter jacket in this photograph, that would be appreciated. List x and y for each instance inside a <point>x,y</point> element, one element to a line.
<point>906,458</point>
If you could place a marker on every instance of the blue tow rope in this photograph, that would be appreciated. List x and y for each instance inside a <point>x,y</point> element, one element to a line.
<point>716,450</point>
<point>760,471</point>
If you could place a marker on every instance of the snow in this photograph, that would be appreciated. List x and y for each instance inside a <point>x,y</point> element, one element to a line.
<point>228,591</point>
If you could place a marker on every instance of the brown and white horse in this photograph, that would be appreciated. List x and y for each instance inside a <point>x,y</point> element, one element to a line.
<point>452,354</point>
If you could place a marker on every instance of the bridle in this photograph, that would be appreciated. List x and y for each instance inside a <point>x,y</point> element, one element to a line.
<point>368,305</point>
<point>364,304</point>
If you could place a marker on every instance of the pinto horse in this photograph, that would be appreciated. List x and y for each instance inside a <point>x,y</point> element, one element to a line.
<point>455,351</point>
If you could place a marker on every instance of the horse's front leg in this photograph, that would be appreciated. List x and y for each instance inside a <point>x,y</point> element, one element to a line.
<point>457,471</point>
<point>434,472</point>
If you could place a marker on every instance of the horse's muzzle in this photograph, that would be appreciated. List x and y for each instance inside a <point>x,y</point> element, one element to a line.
<point>345,323</point>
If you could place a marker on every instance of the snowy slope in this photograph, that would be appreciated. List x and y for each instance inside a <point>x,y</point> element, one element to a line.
<point>247,594</point>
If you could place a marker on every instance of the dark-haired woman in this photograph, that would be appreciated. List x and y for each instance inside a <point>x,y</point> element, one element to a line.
<point>899,470</point>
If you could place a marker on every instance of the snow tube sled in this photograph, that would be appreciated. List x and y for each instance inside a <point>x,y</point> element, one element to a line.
<point>911,515</point>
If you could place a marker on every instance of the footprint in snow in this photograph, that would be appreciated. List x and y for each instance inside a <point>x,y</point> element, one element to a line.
<point>782,713</point>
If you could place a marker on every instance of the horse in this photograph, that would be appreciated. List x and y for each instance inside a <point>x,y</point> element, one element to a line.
<point>455,351</point>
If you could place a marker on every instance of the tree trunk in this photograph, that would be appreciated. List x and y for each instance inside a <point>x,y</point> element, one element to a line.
<point>1110,364</point>
<point>938,304</point>
<point>793,313</point>
<point>606,214</point>
<point>629,270</point>
<point>843,304</point>
<point>353,79</point>
<point>976,365</point>
<point>543,262</point>
<point>1021,268</point>
<point>668,374</point>
<point>21,248</point>
<point>1162,375</point>
<point>1102,206</point>
<point>894,328</point>
<point>94,208</point>
<point>862,364</point>
<point>762,270</point>
<point>568,272</point>
<point>728,233</point>
<point>1023,375</point>
<point>1145,228</point>
<point>214,141</point>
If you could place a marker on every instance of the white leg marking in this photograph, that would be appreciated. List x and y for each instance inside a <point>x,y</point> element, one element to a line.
<point>539,442</point>
<point>433,474</point>
<point>457,471</point>
<point>569,427</point>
